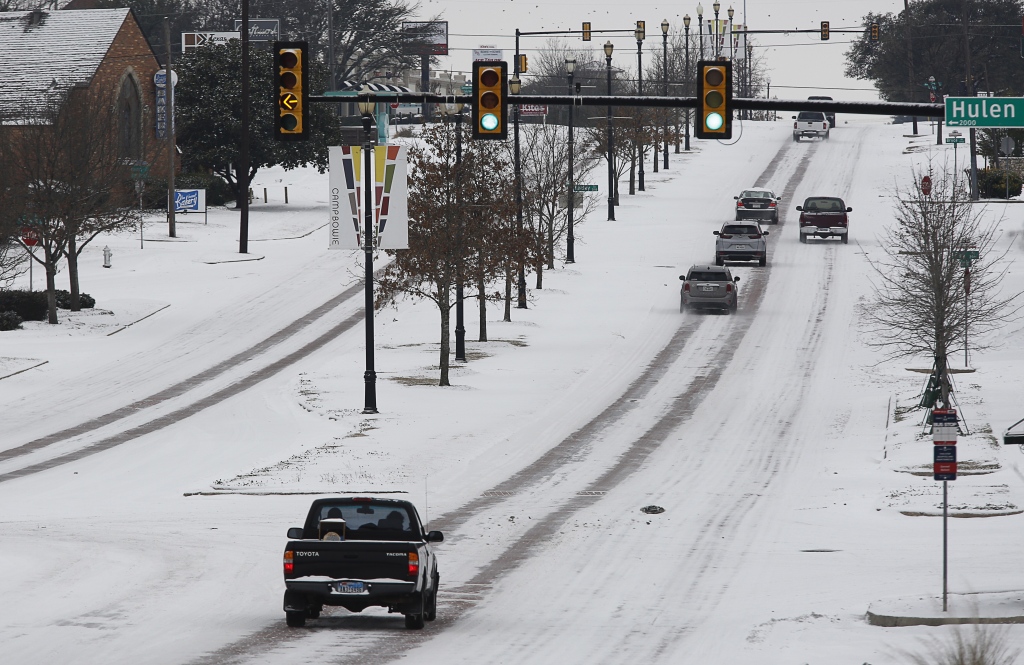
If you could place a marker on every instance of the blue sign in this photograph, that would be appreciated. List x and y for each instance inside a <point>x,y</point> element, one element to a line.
<point>190,200</point>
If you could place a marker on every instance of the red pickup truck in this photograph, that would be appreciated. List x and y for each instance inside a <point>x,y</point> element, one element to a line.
<point>824,217</point>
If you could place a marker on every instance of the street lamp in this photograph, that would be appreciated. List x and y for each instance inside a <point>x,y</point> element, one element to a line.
<point>732,53</point>
<point>640,33</point>
<point>570,242</point>
<point>608,48</point>
<point>366,109</point>
<point>718,49</point>
<point>664,77</point>
<point>700,25</point>
<point>514,86</point>
<point>686,77</point>
<point>455,109</point>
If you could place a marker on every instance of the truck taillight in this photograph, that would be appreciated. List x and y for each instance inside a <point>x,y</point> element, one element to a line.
<point>289,562</point>
<point>824,125</point>
<point>414,564</point>
<point>794,125</point>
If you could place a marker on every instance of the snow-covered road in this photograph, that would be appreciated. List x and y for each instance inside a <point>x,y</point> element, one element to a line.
<point>761,434</point>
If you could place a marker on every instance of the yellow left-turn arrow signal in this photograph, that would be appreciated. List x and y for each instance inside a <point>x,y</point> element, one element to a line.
<point>289,101</point>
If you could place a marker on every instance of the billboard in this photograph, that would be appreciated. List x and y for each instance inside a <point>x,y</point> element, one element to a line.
<point>191,40</point>
<point>426,38</point>
<point>262,29</point>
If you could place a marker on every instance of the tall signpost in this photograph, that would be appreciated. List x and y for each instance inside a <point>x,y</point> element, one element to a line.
<point>944,433</point>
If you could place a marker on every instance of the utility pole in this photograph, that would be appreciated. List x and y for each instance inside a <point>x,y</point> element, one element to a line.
<point>910,58</point>
<point>169,126</point>
<point>242,176</point>
<point>970,93</point>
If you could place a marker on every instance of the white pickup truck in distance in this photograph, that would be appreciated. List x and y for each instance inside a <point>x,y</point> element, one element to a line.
<point>810,124</point>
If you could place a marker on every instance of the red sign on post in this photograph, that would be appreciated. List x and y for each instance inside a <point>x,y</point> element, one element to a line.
<point>926,186</point>
<point>28,236</point>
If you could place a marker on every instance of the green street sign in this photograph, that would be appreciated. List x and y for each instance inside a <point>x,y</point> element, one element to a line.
<point>985,112</point>
<point>467,89</point>
<point>956,139</point>
<point>584,188</point>
<point>965,263</point>
<point>969,254</point>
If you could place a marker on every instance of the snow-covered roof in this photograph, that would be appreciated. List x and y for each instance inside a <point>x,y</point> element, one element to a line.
<point>41,51</point>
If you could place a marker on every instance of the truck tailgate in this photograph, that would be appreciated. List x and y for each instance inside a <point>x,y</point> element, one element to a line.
<point>351,559</point>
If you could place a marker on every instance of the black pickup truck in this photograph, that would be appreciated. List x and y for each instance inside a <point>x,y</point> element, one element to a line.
<point>358,552</point>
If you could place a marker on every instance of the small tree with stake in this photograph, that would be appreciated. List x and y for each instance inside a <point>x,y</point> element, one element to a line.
<point>920,304</point>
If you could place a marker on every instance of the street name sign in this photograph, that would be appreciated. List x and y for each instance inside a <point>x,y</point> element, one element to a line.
<point>584,188</point>
<point>985,112</point>
<point>956,139</point>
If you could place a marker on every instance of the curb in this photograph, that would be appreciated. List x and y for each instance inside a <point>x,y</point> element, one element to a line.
<point>887,621</point>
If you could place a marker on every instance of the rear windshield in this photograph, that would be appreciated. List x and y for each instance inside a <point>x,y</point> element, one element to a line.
<point>814,116</point>
<point>739,230</point>
<point>366,521</point>
<point>708,276</point>
<point>753,194</point>
<point>824,205</point>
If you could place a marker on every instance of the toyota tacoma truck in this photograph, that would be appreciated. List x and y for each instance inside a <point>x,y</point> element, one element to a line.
<point>358,552</point>
<point>824,217</point>
<point>810,124</point>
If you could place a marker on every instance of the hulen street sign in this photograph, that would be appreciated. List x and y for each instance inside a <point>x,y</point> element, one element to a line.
<point>985,111</point>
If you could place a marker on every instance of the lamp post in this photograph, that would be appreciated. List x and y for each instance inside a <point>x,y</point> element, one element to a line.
<point>366,108</point>
<point>718,38</point>
<point>664,77</point>
<point>608,48</point>
<point>570,242</point>
<point>640,33</point>
<point>514,86</point>
<point>686,79</point>
<point>700,25</point>
<point>732,41</point>
<point>453,109</point>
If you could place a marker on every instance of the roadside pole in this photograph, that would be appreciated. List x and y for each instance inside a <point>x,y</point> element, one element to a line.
<point>944,434</point>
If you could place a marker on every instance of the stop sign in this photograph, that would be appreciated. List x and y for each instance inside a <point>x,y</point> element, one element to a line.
<point>28,236</point>
<point>394,105</point>
<point>926,186</point>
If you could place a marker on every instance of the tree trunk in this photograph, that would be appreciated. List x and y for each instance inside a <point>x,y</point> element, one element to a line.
<point>551,243</point>
<point>51,290</point>
<point>480,285</point>
<point>632,168</point>
<point>444,304</point>
<point>540,272</point>
<point>654,150</point>
<point>508,294</point>
<point>76,304</point>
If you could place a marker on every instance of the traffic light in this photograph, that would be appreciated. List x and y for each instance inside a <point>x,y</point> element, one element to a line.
<point>874,32</point>
<point>824,31</point>
<point>714,83</point>
<point>521,66</point>
<point>290,83</point>
<point>490,100</point>
<point>586,31</point>
<point>641,32</point>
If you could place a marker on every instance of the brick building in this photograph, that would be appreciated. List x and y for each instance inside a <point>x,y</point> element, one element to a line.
<point>103,51</point>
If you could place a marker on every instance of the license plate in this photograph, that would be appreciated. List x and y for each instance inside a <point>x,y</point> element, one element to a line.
<point>348,587</point>
<point>707,288</point>
<point>823,230</point>
<point>756,205</point>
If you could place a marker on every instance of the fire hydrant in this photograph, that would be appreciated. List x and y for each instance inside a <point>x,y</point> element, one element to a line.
<point>106,256</point>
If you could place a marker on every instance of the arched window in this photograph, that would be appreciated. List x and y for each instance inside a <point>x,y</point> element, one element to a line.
<point>129,115</point>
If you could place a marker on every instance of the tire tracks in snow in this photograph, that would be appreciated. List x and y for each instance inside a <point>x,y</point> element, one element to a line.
<point>183,387</point>
<point>680,410</point>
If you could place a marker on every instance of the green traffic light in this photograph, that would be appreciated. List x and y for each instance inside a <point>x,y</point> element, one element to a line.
<point>489,122</point>
<point>714,121</point>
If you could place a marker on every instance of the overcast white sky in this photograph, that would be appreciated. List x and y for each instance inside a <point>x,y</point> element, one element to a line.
<point>794,60</point>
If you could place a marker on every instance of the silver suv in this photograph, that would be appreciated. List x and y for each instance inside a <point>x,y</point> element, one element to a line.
<point>709,287</point>
<point>741,241</point>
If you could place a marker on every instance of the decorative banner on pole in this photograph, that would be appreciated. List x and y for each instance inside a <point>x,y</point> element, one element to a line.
<point>345,199</point>
<point>391,200</point>
<point>391,205</point>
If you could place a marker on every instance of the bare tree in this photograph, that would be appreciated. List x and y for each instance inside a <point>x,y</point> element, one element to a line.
<point>66,180</point>
<point>450,239</point>
<point>925,302</point>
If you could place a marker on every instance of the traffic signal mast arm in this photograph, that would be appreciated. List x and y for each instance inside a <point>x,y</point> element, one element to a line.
<point>756,104</point>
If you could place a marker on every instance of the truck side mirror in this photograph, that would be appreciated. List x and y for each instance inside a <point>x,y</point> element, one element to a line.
<point>682,278</point>
<point>800,208</point>
<point>435,537</point>
<point>849,209</point>
<point>764,232</point>
<point>735,279</point>
<point>295,533</point>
